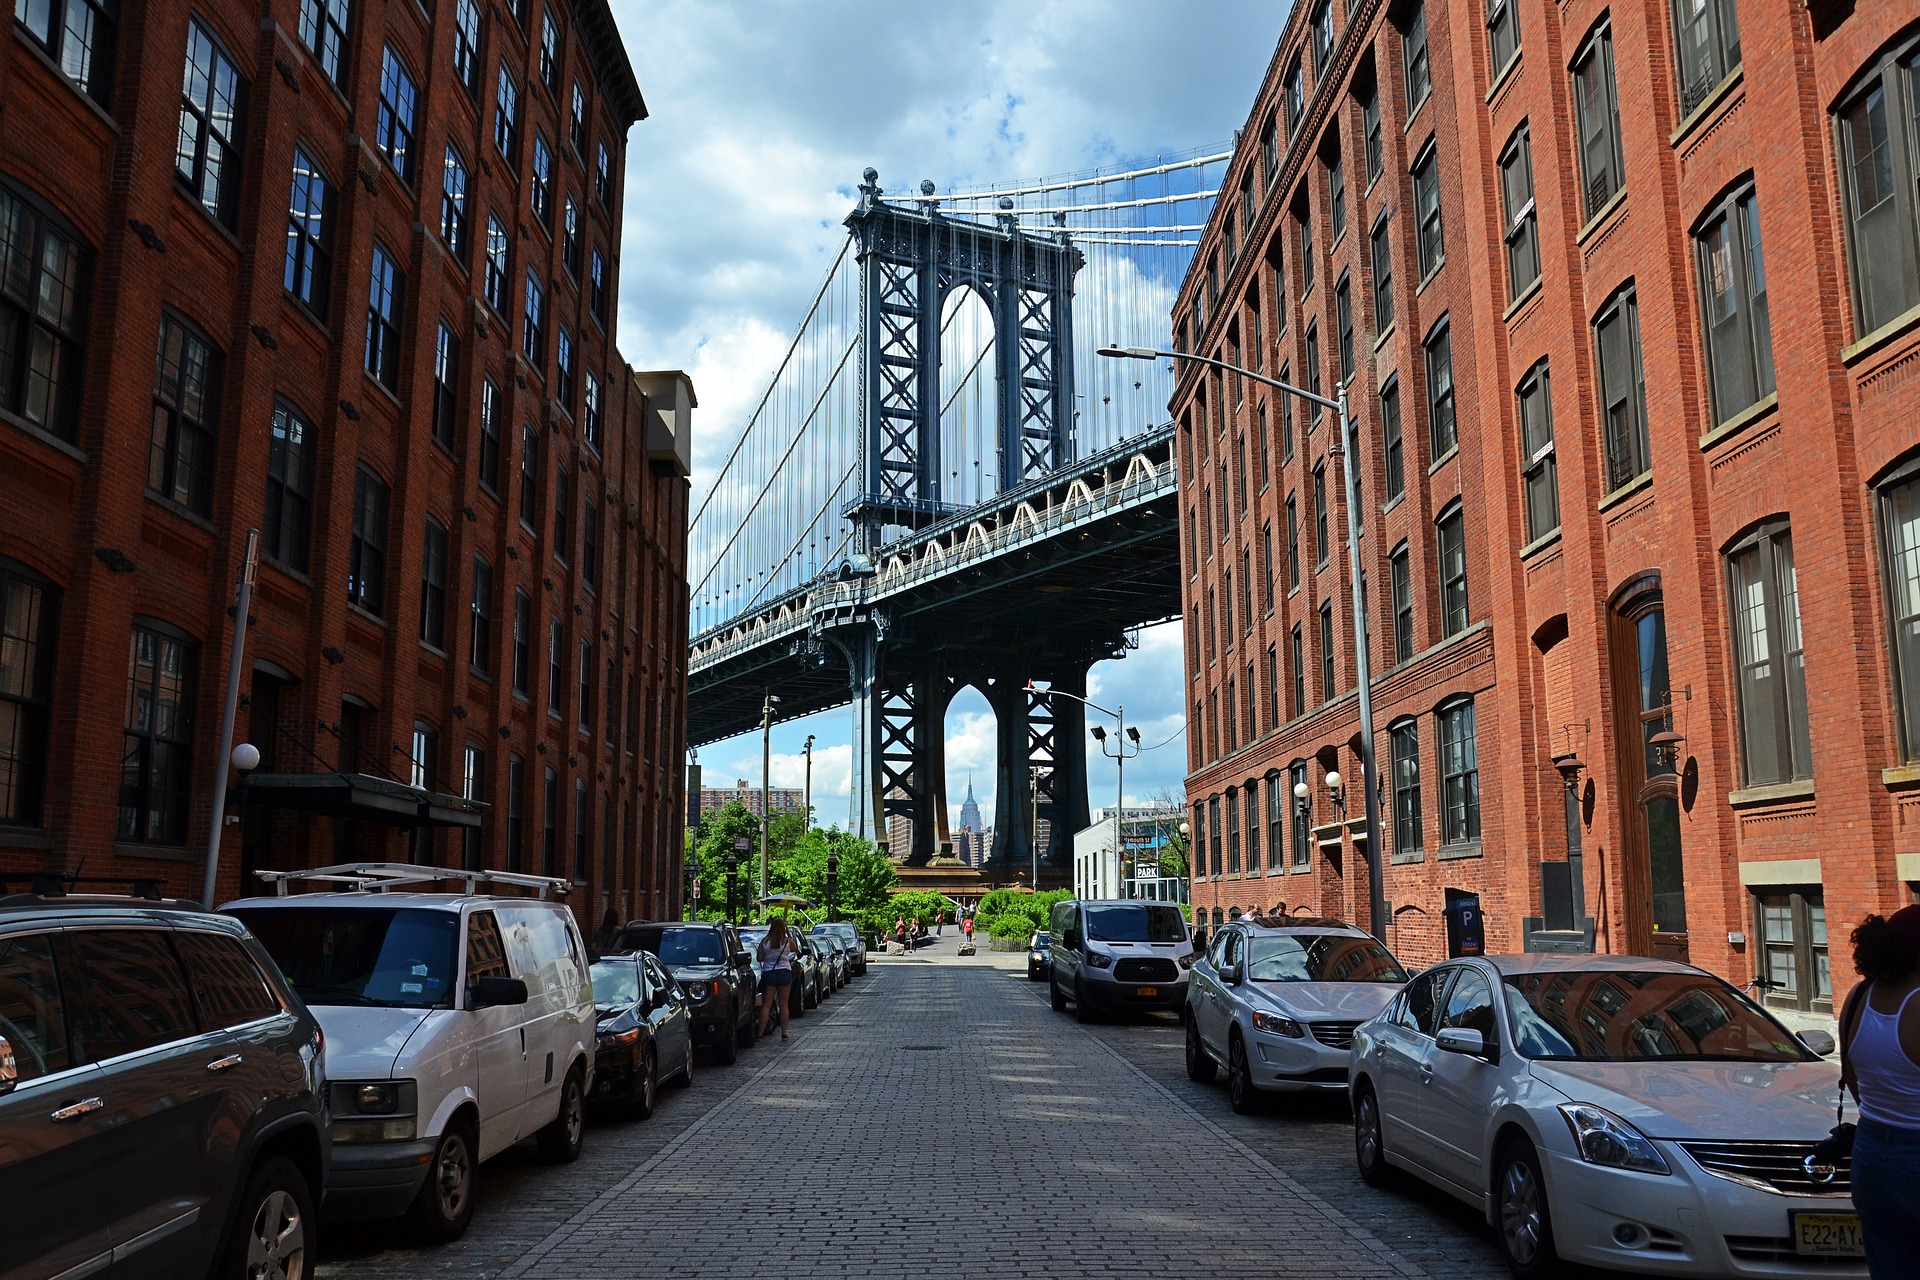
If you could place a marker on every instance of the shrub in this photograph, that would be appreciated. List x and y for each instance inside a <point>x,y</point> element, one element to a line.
<point>1010,926</point>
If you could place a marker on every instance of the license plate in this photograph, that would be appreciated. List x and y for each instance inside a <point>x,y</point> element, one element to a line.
<point>1827,1235</point>
<point>1144,992</point>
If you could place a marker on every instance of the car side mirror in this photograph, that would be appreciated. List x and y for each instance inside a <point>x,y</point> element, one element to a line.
<point>9,1069</point>
<point>1236,973</point>
<point>1462,1040</point>
<point>489,992</point>
<point>1818,1041</point>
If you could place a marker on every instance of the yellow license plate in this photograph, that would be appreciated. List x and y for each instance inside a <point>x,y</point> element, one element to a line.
<point>1146,991</point>
<point>1827,1234</point>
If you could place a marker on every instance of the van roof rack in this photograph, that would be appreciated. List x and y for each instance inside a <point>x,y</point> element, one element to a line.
<point>377,877</point>
<point>55,886</point>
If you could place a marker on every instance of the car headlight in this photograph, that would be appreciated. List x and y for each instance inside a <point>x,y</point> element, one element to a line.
<point>376,1099</point>
<point>1276,1025</point>
<point>1605,1139</point>
<point>620,1037</point>
<point>373,1110</point>
<point>1099,960</point>
<point>696,991</point>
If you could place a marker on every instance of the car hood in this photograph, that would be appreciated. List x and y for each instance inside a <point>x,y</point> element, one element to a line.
<point>1334,1001</point>
<point>1723,1101</point>
<point>1142,948</point>
<point>615,1017</point>
<point>365,1043</point>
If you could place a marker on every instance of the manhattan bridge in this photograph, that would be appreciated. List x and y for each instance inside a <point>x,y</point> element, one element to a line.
<point>942,486</point>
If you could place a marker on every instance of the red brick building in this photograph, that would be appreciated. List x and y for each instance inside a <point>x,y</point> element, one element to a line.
<point>1628,325</point>
<point>375,249</point>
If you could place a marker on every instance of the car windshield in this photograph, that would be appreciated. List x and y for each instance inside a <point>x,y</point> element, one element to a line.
<point>615,983</point>
<point>1042,938</point>
<point>1319,957</point>
<point>678,946</point>
<point>394,957</point>
<point>1613,1015</point>
<point>1144,923</point>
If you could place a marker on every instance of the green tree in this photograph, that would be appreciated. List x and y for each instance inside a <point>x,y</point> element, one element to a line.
<point>719,832</point>
<point>863,878</point>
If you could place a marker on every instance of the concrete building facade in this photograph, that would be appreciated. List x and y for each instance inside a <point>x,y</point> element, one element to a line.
<point>1627,323</point>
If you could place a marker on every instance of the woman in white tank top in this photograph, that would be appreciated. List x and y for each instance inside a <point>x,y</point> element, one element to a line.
<point>1880,1026</point>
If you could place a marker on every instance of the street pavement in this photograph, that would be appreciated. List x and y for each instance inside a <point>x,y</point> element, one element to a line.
<point>936,1116</point>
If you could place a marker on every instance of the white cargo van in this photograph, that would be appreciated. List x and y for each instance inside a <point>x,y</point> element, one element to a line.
<point>457,1023</point>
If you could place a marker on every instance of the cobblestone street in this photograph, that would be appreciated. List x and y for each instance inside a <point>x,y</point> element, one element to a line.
<point>935,1115</point>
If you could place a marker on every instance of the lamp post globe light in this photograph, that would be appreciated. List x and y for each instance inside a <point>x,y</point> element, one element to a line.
<point>1341,447</point>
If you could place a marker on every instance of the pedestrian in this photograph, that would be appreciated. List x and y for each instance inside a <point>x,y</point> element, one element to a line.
<point>940,924</point>
<point>968,926</point>
<point>900,931</point>
<point>1880,1064</point>
<point>776,952</point>
<point>919,930</point>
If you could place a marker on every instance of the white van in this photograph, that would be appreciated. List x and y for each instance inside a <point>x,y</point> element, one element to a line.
<point>456,1024</point>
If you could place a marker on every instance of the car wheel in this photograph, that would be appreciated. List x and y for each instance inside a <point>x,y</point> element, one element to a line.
<point>1525,1227</point>
<point>1200,1066</point>
<point>684,1077</point>
<point>273,1224</point>
<point>444,1206</point>
<point>1082,1011</point>
<point>1241,1094</point>
<point>747,1030</point>
<point>1053,990</point>
<point>560,1141</point>
<point>1369,1138</point>
<point>647,1091</point>
<point>726,1049</point>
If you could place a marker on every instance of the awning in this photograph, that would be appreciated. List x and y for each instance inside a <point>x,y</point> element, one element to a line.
<point>361,797</point>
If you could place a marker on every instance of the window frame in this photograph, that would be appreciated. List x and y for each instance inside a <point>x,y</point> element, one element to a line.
<point>386,299</point>
<point>1597,187</point>
<point>446,386</point>
<point>1450,565</point>
<point>1443,427</point>
<point>1539,462</point>
<point>399,102</point>
<point>1768,552</point>
<point>1735,323</point>
<point>57,380</point>
<point>1403,738</point>
<point>1459,764</point>
<point>1522,233</point>
<point>30,633</point>
<point>1900,583</point>
<point>183,455</point>
<point>1400,580</point>
<point>1393,448</point>
<point>221,200</point>
<point>1626,441</point>
<point>287,525</point>
<point>435,550</point>
<point>1414,60</point>
<point>1429,231</point>
<point>97,55</point>
<point>454,198</point>
<point>367,546</point>
<point>143,742</point>
<point>480,618</point>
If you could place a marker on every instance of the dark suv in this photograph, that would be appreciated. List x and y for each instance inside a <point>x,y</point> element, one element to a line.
<point>715,971</point>
<point>160,1099</point>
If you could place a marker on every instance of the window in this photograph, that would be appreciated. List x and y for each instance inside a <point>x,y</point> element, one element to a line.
<point>309,235</point>
<point>1302,813</point>
<point>577,122</point>
<point>1306,252</point>
<point>367,554</point>
<point>1381,251</point>
<point>1322,37</point>
<point>1246,587</point>
<point>226,983</point>
<point>541,191</point>
<point>1240,474</point>
<point>562,519</point>
<point>550,823</point>
<point>1623,394</point>
<point>1400,575</point>
<point>590,412</point>
<point>143,998</point>
<point>1733,305</point>
<point>1764,597</point>
<point>289,488</point>
<point>466,46</point>
<point>570,237</point>
<point>556,666</point>
<point>207,155</point>
<point>516,812</point>
<point>1503,32</point>
<point>590,544</point>
<point>489,436</point>
<point>1337,198</point>
<point>506,115</point>
<point>1393,445</point>
<point>1878,169</point>
<point>1343,326</point>
<point>453,205</point>
<point>29,608</point>
<point>1793,947</point>
<point>1441,426</point>
<point>1516,187</point>
<point>1899,502</point>
<point>383,320</point>
<point>581,836</point>
<point>495,283</point>
<point>1601,167</point>
<point>1266,563</point>
<point>549,53</point>
<point>1706,36</point>
<point>446,381</point>
<point>1327,672</point>
<point>1293,543</point>
<point>1296,99</point>
<point>1276,818</point>
<point>1226,605</point>
<point>186,394</point>
<point>426,748</point>
<point>1213,637</point>
<point>156,762</point>
<point>77,35</point>
<point>597,287</point>
<point>1322,544</point>
<point>1413,56</point>
<point>1537,467</point>
<point>1370,130</point>
<point>1270,153</point>
<point>1451,537</point>
<point>1274,716</point>
<point>1261,446</point>
<point>433,585</point>
<point>529,473</point>
<point>1405,739</point>
<point>1428,240</point>
<point>1213,828</point>
<point>1299,673</point>
<point>1459,775</point>
<point>533,337</point>
<point>522,641</point>
<point>1286,419</point>
<point>480,618</point>
<point>603,176</point>
<point>1233,733</point>
<point>473,786</point>
<point>563,369</point>
<point>584,706</point>
<point>393,129</point>
<point>1233,829</point>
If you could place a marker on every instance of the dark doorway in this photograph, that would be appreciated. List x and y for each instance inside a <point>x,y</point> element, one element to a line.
<point>1655,871</point>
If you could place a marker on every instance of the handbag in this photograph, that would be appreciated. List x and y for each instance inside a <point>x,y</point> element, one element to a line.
<point>1836,1148</point>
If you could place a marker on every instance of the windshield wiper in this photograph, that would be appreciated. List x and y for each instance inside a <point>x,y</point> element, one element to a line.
<point>328,994</point>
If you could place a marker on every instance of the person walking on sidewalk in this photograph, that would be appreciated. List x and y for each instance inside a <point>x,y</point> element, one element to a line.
<point>967,928</point>
<point>940,924</point>
<point>1880,1065</point>
<point>777,953</point>
<point>900,931</point>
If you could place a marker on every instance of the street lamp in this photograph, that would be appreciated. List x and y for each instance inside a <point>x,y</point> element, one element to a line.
<point>1120,755</point>
<point>807,795</point>
<point>766,767</point>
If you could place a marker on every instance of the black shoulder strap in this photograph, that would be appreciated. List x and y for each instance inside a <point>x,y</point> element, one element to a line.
<point>1849,1024</point>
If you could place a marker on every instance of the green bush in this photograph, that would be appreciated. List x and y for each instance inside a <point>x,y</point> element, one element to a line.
<point>1009,926</point>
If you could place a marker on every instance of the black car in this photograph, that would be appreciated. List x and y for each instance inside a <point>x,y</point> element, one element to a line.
<point>644,1033</point>
<point>160,1091</point>
<point>714,971</point>
<point>1039,955</point>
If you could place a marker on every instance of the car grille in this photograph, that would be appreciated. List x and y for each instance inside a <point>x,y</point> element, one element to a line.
<point>1146,970</point>
<point>1778,1166</point>
<point>1780,1249</point>
<point>1334,1035</point>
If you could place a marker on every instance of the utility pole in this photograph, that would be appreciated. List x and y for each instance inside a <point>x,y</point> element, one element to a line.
<point>808,793</point>
<point>243,601</point>
<point>766,768</point>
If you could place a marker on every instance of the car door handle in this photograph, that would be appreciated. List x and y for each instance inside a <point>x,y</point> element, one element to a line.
<point>75,1110</point>
<point>225,1064</point>
<point>1426,1073</point>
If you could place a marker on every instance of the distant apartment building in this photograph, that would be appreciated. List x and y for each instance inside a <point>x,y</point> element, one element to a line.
<point>778,799</point>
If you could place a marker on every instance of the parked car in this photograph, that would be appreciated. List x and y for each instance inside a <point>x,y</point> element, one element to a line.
<point>1039,957</point>
<point>1612,1110</point>
<point>713,968</point>
<point>162,1098</point>
<point>833,960</point>
<point>1276,1005</point>
<point>856,945</point>
<point>645,1032</point>
<point>457,1024</point>
<point>1118,954</point>
<point>805,992</point>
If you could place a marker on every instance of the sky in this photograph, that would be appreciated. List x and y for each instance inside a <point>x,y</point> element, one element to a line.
<point>761,118</point>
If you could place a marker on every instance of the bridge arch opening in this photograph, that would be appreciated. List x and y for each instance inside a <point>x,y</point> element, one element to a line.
<point>969,421</point>
<point>972,733</point>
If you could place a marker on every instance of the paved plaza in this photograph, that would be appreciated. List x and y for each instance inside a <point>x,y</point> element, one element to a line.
<point>936,1117</point>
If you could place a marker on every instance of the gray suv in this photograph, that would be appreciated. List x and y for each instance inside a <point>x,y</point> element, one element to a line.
<point>160,1099</point>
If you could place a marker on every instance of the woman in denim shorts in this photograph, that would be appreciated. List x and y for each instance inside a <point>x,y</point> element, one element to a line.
<point>777,954</point>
